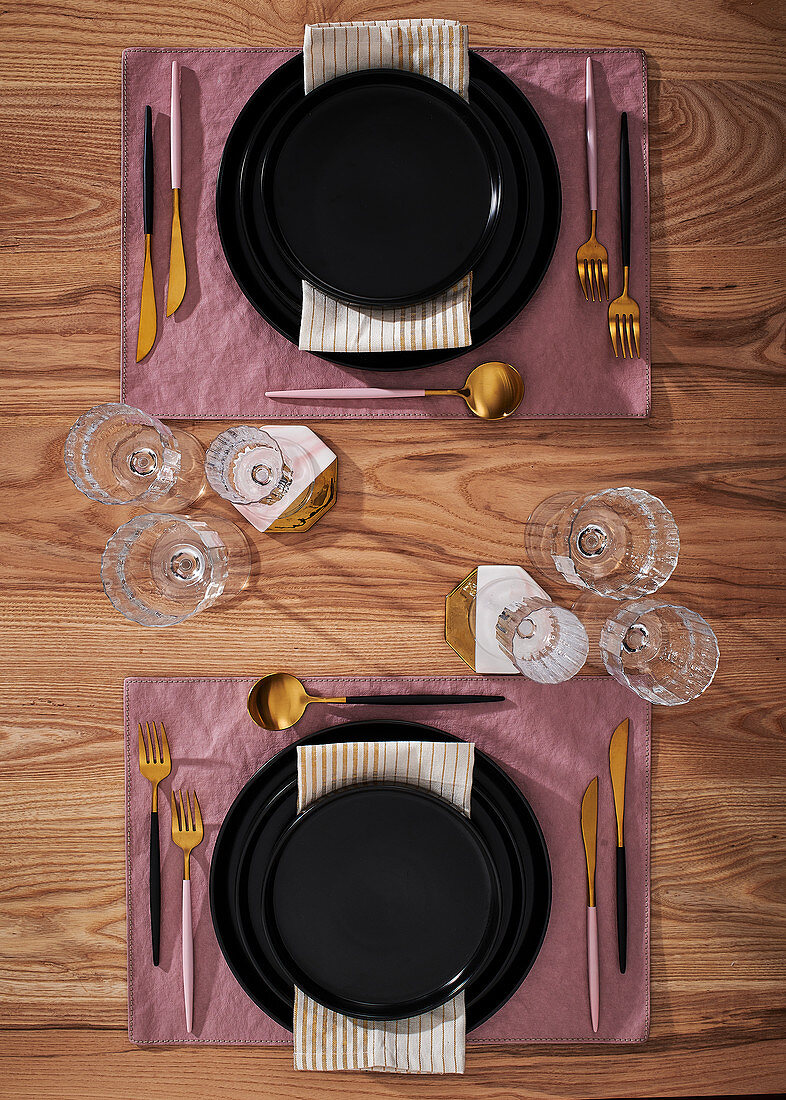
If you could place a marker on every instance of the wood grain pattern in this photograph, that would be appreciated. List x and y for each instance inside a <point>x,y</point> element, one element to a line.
<point>418,506</point>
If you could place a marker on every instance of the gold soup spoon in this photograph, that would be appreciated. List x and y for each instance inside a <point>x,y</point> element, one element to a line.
<point>492,392</point>
<point>278,700</point>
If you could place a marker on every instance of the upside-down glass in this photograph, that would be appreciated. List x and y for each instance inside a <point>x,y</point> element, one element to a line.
<point>666,654</point>
<point>159,569</point>
<point>545,642</point>
<point>116,454</point>
<point>247,466</point>
<point>621,543</point>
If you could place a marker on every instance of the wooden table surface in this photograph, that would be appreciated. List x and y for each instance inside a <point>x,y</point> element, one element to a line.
<point>420,504</point>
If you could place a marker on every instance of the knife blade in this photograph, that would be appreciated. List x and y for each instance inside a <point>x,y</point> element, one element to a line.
<point>147,305</point>
<point>618,760</point>
<point>589,833</point>
<point>177,259</point>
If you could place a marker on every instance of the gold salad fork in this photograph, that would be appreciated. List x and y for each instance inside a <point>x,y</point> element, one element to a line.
<point>624,316</point>
<point>187,833</point>
<point>592,258</point>
<point>155,764</point>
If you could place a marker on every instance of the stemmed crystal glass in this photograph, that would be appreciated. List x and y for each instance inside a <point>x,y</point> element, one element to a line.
<point>666,654</point>
<point>246,465</point>
<point>621,543</point>
<point>545,642</point>
<point>158,570</point>
<point>116,454</point>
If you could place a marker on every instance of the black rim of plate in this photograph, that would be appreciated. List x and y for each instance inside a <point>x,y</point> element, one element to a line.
<point>378,1010</point>
<point>507,275</point>
<point>269,800</point>
<point>425,86</point>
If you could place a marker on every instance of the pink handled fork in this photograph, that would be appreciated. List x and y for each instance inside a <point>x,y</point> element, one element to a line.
<point>592,259</point>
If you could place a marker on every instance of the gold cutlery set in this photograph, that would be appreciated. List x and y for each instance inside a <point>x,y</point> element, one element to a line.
<point>155,764</point>
<point>618,757</point>
<point>177,260</point>
<point>592,258</point>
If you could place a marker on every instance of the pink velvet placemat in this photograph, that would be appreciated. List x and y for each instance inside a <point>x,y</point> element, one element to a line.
<point>550,740</point>
<point>215,358</point>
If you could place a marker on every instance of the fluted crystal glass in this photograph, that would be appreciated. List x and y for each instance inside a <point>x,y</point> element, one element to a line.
<point>117,454</point>
<point>246,465</point>
<point>621,543</point>
<point>666,654</point>
<point>158,570</point>
<point>545,642</point>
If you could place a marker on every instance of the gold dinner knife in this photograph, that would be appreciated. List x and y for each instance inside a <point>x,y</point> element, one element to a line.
<point>147,307</point>
<point>177,259</point>
<point>589,832</point>
<point>618,759</point>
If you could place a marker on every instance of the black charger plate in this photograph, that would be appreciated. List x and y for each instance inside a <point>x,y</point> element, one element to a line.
<point>381,187</point>
<point>505,277</point>
<point>380,901</point>
<point>266,807</point>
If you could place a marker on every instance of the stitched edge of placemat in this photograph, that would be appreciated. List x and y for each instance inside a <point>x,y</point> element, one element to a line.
<point>357,680</point>
<point>380,413</point>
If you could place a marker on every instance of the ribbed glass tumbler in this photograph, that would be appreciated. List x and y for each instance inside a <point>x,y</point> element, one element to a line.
<point>621,543</point>
<point>158,570</point>
<point>546,643</point>
<point>116,454</point>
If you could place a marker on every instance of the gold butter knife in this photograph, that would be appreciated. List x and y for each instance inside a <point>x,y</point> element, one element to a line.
<point>618,760</point>
<point>147,307</point>
<point>589,833</point>
<point>177,259</point>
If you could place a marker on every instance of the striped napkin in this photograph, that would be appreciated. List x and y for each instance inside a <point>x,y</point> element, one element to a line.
<point>438,49</point>
<point>435,1041</point>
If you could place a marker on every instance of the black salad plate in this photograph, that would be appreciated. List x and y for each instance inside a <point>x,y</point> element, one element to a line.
<point>381,187</point>
<point>380,901</point>
<point>507,274</point>
<point>266,808</point>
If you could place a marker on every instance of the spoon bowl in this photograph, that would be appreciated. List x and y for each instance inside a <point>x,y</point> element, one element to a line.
<point>493,390</point>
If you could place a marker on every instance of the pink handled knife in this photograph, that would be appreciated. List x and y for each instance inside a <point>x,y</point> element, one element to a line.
<point>177,259</point>
<point>589,832</point>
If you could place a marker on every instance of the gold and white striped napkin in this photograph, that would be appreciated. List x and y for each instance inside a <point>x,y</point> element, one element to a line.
<point>438,49</point>
<point>434,1042</point>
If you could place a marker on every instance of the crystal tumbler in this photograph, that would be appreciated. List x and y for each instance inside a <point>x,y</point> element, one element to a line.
<point>159,569</point>
<point>621,543</point>
<point>116,454</point>
<point>665,654</point>
<point>247,466</point>
<point>546,643</point>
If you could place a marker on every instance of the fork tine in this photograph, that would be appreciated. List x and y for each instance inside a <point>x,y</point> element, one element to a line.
<point>190,825</point>
<point>182,815</point>
<point>631,341</point>
<point>198,814</point>
<point>582,278</point>
<point>175,818</point>
<point>613,331</point>
<point>151,742</point>
<point>142,748</point>
<point>636,334</point>
<point>604,269</point>
<point>596,276</point>
<point>157,743</point>
<point>623,334</point>
<point>167,759</point>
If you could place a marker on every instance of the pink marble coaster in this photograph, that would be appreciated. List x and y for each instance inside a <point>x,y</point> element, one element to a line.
<point>215,358</point>
<point>550,740</point>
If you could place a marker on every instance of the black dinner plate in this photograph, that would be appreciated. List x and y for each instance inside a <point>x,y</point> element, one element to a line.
<point>505,277</point>
<point>380,901</point>
<point>268,804</point>
<point>381,187</point>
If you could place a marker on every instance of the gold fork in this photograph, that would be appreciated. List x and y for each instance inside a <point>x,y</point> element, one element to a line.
<point>187,833</point>
<point>592,259</point>
<point>624,315</point>
<point>155,764</point>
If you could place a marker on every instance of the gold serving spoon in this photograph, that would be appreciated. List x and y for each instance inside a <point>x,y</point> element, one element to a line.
<point>278,701</point>
<point>492,392</point>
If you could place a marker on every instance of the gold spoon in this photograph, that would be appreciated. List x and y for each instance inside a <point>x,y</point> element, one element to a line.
<point>278,701</point>
<point>492,391</point>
